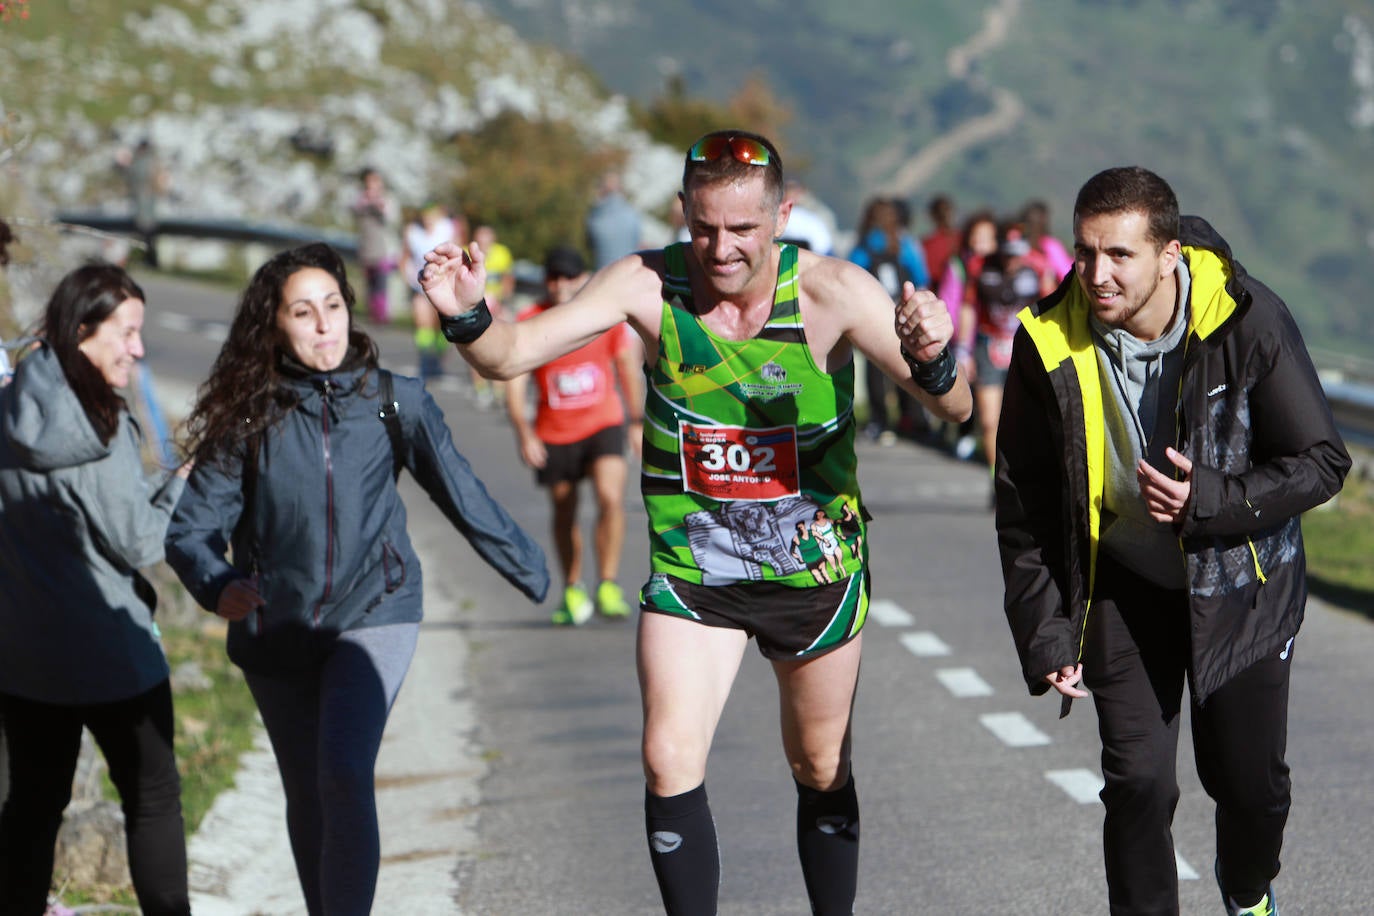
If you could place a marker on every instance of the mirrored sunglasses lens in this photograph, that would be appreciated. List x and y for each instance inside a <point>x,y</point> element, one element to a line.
<point>748,151</point>
<point>709,149</point>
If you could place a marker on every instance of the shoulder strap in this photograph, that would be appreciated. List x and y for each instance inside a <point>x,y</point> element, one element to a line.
<point>390,413</point>
<point>249,483</point>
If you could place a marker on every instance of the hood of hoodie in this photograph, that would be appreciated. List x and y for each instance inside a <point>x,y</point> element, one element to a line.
<point>42,420</point>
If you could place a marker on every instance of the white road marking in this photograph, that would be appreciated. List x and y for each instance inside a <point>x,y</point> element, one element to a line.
<point>185,324</point>
<point>964,682</point>
<point>1083,785</point>
<point>174,322</point>
<point>924,645</point>
<point>1080,785</point>
<point>890,614</point>
<point>1014,729</point>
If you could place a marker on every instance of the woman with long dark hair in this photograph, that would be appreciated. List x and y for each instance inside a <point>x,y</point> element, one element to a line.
<point>78,644</point>
<point>297,437</point>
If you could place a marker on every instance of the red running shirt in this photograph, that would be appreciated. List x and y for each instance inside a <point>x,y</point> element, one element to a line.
<point>577,393</point>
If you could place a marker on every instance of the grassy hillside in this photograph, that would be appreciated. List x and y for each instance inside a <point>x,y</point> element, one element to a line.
<point>1246,106</point>
<point>1261,112</point>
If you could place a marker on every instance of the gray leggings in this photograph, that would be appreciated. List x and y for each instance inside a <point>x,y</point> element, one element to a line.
<point>326,724</point>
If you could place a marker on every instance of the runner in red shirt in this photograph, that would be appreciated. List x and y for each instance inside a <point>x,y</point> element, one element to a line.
<point>579,432</point>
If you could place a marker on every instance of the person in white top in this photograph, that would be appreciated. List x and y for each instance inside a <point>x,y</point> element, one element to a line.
<point>431,227</point>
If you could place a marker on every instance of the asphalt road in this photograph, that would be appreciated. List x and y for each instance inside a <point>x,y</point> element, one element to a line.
<point>510,778</point>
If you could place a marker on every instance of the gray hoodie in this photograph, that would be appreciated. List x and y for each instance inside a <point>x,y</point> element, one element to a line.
<point>77,521</point>
<point>1140,392</point>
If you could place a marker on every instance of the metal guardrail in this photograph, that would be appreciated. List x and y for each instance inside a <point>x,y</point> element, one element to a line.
<point>1352,404</point>
<point>529,277</point>
<point>228,230</point>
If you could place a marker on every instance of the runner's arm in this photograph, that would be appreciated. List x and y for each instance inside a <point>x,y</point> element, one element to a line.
<point>532,450</point>
<point>869,325</point>
<point>454,282</point>
<point>629,367</point>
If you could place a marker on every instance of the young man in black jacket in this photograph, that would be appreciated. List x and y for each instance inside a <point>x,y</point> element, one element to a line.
<point>1162,431</point>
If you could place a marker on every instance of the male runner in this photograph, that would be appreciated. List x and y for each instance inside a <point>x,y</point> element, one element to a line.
<point>579,433</point>
<point>749,429</point>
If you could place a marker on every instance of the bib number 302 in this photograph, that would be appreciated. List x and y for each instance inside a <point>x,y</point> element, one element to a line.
<point>735,462</point>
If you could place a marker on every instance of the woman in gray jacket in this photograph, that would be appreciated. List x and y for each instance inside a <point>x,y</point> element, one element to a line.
<point>78,644</point>
<point>297,437</point>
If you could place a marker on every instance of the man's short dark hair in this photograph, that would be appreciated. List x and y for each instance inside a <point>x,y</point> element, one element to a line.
<point>729,169</point>
<point>1131,189</point>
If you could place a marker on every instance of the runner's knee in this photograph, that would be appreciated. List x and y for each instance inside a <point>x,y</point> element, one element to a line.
<point>672,766</point>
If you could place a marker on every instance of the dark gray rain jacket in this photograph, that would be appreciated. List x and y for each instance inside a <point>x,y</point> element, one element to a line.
<point>326,529</point>
<point>78,519</point>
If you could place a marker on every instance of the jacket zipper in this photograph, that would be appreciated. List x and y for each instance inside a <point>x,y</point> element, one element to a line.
<point>328,501</point>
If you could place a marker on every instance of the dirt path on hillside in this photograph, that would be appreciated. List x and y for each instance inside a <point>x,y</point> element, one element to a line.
<point>1007,107</point>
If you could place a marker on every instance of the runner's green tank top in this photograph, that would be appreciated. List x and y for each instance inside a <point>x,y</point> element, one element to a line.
<point>742,440</point>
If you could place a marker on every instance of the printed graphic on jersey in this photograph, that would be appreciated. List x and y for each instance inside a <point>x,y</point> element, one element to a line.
<point>773,384</point>
<point>739,540</point>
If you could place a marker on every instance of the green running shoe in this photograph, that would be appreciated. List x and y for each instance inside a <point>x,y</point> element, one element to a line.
<point>1267,906</point>
<point>610,600</point>
<point>576,608</point>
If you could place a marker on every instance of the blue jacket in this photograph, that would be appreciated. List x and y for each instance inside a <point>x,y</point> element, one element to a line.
<point>78,519</point>
<point>326,530</point>
<point>869,253</point>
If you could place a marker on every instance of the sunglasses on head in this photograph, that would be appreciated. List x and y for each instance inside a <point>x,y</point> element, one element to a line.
<point>741,149</point>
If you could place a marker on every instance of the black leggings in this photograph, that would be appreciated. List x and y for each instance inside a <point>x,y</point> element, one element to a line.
<point>135,735</point>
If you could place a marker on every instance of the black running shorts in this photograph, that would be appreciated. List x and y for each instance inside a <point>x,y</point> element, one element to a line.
<point>574,460</point>
<point>788,622</point>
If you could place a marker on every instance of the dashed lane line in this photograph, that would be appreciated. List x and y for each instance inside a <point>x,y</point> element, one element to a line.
<point>890,614</point>
<point>1014,729</point>
<point>216,331</point>
<point>924,645</point>
<point>964,682</point>
<point>1080,785</point>
<point>1083,786</point>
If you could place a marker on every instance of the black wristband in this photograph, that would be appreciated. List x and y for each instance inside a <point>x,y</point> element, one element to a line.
<point>936,376</point>
<point>466,327</point>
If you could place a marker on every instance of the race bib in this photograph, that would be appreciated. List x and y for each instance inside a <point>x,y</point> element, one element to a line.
<point>576,387</point>
<point>736,463</point>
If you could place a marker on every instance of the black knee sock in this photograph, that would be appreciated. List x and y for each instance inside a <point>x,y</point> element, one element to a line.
<point>828,843</point>
<point>682,847</point>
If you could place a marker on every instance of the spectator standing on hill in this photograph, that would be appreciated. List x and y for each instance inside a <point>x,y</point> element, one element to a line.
<point>748,430</point>
<point>377,216</point>
<point>1008,281</point>
<point>1163,430</point>
<point>805,227</point>
<point>978,242</point>
<point>943,240</point>
<point>147,183</point>
<point>1053,257</point>
<point>579,433</point>
<point>894,258</point>
<point>432,226</point>
<point>78,644</point>
<point>613,223</point>
<point>323,594</point>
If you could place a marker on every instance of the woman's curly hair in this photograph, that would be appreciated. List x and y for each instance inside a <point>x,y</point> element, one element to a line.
<point>243,397</point>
